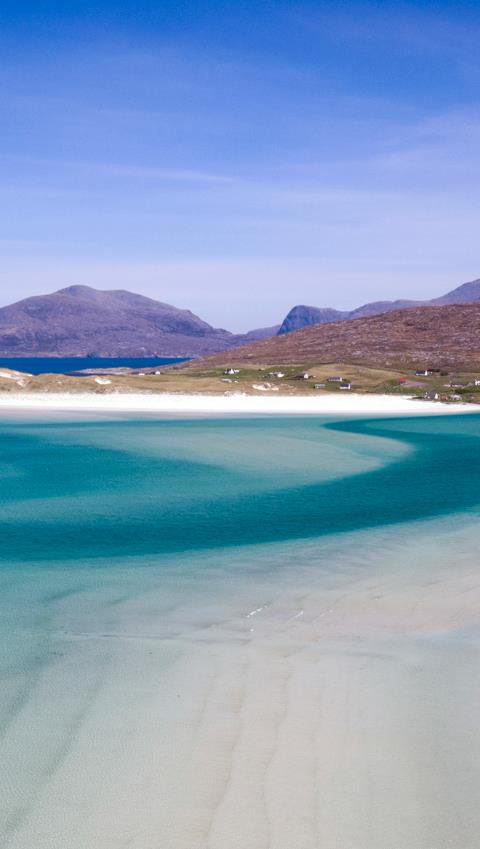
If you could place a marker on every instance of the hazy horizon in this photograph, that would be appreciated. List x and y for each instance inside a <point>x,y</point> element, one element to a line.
<point>236,161</point>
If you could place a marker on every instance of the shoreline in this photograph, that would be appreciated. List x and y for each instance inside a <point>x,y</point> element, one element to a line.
<point>169,403</point>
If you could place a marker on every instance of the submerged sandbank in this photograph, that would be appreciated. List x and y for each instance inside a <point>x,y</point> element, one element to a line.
<point>309,696</point>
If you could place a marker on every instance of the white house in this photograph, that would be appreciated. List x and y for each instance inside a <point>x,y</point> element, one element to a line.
<point>422,372</point>
<point>232,371</point>
<point>345,385</point>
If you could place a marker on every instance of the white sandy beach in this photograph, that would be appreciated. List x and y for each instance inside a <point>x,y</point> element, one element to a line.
<point>169,403</point>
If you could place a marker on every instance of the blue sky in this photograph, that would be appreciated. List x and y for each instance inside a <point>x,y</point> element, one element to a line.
<point>236,159</point>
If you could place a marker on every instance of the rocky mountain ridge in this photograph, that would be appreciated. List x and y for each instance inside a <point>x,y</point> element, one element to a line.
<point>304,316</point>
<point>82,321</point>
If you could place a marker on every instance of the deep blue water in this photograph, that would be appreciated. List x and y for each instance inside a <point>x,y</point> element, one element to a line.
<point>107,489</point>
<point>65,365</point>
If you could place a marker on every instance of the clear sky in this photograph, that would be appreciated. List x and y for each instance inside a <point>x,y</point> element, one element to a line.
<point>238,158</point>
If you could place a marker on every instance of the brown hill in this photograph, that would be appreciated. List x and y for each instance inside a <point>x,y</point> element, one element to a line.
<point>447,336</point>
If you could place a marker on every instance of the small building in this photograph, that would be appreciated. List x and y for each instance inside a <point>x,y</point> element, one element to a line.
<point>319,386</point>
<point>477,382</point>
<point>232,371</point>
<point>302,376</point>
<point>402,381</point>
<point>422,372</point>
<point>345,385</point>
<point>454,397</point>
<point>276,374</point>
<point>335,379</point>
<point>431,396</point>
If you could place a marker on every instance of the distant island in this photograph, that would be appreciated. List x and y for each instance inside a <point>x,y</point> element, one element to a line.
<point>82,321</point>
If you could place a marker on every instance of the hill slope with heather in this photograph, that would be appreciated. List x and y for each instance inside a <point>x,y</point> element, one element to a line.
<point>437,336</point>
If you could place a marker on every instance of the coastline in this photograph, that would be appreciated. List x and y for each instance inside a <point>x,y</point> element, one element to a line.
<point>169,403</point>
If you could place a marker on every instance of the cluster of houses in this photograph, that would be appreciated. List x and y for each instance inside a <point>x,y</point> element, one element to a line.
<point>345,385</point>
<point>342,383</point>
<point>304,375</point>
<point>434,395</point>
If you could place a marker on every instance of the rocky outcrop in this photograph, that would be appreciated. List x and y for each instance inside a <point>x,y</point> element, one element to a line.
<point>303,316</point>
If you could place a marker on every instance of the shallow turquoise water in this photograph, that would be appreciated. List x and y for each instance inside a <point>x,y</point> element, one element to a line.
<point>89,490</point>
<point>200,619</point>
